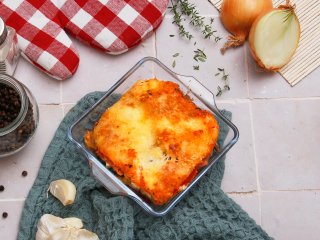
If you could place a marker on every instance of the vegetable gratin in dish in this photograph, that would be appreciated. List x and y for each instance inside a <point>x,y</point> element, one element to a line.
<point>152,136</point>
<point>155,138</point>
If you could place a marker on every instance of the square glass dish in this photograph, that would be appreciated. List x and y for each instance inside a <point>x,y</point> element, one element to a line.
<point>146,68</point>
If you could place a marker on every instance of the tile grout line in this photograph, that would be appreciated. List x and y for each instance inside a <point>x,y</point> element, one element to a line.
<point>256,162</point>
<point>61,104</point>
<point>12,200</point>
<point>271,191</point>
<point>60,88</point>
<point>155,45</point>
<point>246,69</point>
<point>292,190</point>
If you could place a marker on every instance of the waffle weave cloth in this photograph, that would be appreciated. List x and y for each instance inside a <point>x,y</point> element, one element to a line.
<point>206,212</point>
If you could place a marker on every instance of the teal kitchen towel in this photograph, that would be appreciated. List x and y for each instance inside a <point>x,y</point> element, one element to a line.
<point>206,212</point>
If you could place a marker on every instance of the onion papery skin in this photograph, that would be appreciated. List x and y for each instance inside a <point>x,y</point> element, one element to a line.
<point>237,16</point>
<point>252,37</point>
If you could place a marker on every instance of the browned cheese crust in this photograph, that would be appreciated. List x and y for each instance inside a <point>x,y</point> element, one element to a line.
<point>156,138</point>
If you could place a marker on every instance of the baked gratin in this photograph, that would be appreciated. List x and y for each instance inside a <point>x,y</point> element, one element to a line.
<point>155,138</point>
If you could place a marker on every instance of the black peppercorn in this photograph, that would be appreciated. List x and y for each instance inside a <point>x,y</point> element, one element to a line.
<point>24,173</point>
<point>4,214</point>
<point>1,188</point>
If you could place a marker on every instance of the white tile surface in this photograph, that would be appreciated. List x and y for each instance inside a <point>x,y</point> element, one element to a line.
<point>287,141</point>
<point>291,215</point>
<point>9,226</point>
<point>240,170</point>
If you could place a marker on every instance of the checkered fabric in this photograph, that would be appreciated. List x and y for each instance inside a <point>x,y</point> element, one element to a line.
<point>113,26</point>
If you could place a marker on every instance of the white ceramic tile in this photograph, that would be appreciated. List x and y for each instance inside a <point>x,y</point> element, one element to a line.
<point>287,140</point>
<point>240,167</point>
<point>249,203</point>
<point>9,226</point>
<point>233,61</point>
<point>45,89</point>
<point>273,85</point>
<point>291,215</point>
<point>98,71</point>
<point>29,159</point>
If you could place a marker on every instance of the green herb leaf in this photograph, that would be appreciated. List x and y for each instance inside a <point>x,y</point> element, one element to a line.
<point>174,63</point>
<point>224,78</point>
<point>219,93</point>
<point>200,55</point>
<point>175,55</point>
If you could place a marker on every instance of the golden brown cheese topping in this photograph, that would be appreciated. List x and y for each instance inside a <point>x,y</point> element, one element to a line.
<point>156,138</point>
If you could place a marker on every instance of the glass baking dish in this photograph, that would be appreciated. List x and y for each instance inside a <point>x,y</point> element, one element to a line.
<point>146,68</point>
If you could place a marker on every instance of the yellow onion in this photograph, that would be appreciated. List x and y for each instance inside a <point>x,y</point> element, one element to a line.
<point>274,37</point>
<point>237,16</point>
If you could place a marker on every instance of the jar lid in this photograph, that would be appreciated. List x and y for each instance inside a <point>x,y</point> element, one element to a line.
<point>3,31</point>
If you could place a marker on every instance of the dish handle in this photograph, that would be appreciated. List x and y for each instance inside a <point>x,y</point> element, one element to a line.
<point>208,98</point>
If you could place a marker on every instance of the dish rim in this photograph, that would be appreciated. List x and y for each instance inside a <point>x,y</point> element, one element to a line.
<point>112,183</point>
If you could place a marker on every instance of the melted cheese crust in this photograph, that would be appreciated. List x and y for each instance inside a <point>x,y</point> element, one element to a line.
<point>156,138</point>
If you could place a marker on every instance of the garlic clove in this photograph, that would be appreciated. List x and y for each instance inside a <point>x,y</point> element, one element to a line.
<point>62,234</point>
<point>73,234</point>
<point>73,222</point>
<point>64,190</point>
<point>41,235</point>
<point>84,234</point>
<point>48,223</point>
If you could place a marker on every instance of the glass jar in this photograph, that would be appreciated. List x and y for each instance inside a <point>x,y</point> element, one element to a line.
<point>9,50</point>
<point>19,115</point>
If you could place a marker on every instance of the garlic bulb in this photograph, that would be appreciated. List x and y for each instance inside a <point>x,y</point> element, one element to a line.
<point>51,227</point>
<point>64,190</point>
<point>73,234</point>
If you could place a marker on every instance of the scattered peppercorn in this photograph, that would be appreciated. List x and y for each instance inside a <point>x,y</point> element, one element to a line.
<point>24,173</point>
<point>1,188</point>
<point>4,214</point>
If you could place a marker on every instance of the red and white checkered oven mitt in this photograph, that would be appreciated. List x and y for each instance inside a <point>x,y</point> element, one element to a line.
<point>113,26</point>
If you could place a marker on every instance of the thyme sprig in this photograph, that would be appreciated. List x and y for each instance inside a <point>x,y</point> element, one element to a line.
<point>182,8</point>
<point>224,78</point>
<point>177,19</point>
<point>200,55</point>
